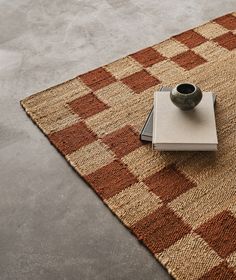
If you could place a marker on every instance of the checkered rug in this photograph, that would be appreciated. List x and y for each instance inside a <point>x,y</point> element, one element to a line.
<point>181,205</point>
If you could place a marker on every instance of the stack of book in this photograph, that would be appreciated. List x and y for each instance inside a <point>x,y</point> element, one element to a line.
<point>171,129</point>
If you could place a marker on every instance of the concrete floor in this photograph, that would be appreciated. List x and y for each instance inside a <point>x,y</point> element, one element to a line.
<point>52,226</point>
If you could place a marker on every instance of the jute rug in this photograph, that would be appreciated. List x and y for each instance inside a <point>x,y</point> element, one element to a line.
<point>181,205</point>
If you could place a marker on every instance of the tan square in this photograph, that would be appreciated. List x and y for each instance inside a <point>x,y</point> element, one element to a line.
<point>106,122</point>
<point>232,209</point>
<point>134,203</point>
<point>90,158</point>
<point>54,118</point>
<point>144,162</point>
<point>211,30</point>
<point>210,50</point>
<point>123,67</point>
<point>168,72</point>
<point>231,259</point>
<point>170,48</point>
<point>115,94</point>
<point>199,204</point>
<point>189,258</point>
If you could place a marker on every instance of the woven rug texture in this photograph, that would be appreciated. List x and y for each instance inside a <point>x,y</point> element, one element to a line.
<point>181,205</point>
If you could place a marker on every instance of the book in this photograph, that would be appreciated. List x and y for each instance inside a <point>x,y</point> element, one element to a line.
<point>146,131</point>
<point>178,130</point>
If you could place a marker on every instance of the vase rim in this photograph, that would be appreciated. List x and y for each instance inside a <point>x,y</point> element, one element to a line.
<point>186,84</point>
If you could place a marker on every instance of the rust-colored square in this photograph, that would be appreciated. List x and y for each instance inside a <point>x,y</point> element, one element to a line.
<point>227,21</point>
<point>188,60</point>
<point>227,40</point>
<point>97,78</point>
<point>87,105</point>
<point>160,229</point>
<point>169,183</point>
<point>140,81</point>
<point>123,141</point>
<point>219,233</point>
<point>111,179</point>
<point>220,272</point>
<point>147,57</point>
<point>190,38</point>
<point>72,138</point>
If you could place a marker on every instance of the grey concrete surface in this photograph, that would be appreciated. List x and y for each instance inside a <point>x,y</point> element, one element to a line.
<point>52,226</point>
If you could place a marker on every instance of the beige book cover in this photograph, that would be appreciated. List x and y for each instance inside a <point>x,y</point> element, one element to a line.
<point>177,130</point>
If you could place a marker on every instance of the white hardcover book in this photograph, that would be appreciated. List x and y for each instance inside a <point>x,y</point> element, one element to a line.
<point>178,130</point>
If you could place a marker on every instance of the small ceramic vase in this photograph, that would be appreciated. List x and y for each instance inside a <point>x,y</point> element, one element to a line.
<point>186,96</point>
